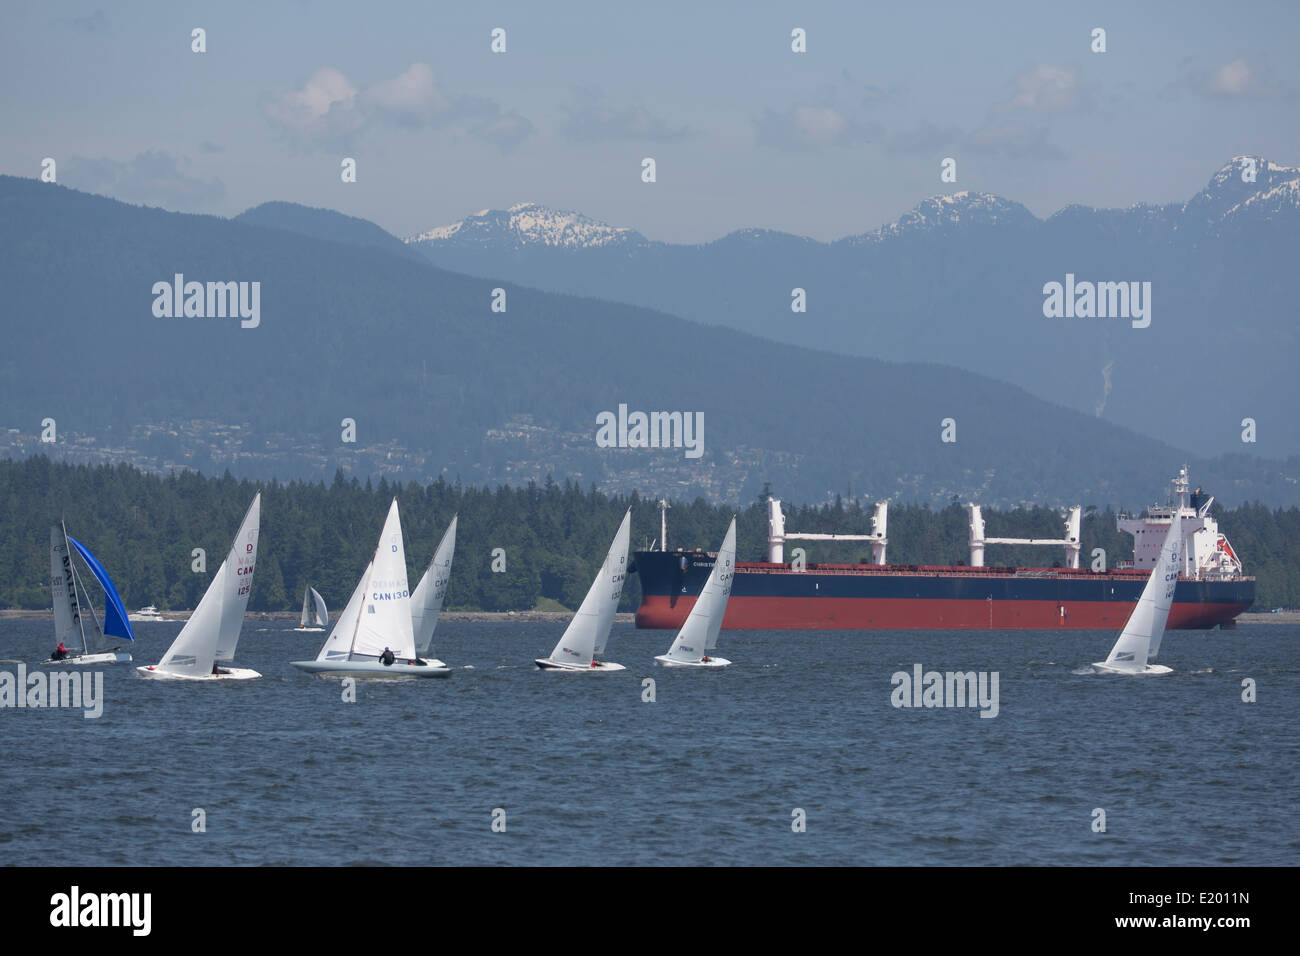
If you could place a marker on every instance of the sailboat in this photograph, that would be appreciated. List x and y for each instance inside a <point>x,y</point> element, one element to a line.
<point>1139,642</point>
<point>315,616</point>
<point>212,632</point>
<point>699,634</point>
<point>75,624</point>
<point>585,637</point>
<point>426,602</point>
<point>377,619</point>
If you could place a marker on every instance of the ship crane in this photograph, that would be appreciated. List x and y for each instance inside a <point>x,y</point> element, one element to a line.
<point>1070,541</point>
<point>777,535</point>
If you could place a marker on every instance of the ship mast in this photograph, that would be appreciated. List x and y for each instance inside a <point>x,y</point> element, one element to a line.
<point>1071,541</point>
<point>777,536</point>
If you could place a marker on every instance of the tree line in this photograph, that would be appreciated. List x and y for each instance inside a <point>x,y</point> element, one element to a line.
<point>552,537</point>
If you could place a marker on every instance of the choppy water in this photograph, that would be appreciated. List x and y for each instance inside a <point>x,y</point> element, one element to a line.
<point>709,773</point>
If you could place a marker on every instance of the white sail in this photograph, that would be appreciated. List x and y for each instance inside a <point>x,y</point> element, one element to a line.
<point>322,614</point>
<point>426,602</point>
<point>386,607</point>
<point>338,645</point>
<point>239,567</point>
<point>1140,639</point>
<point>587,633</point>
<point>700,632</point>
<point>212,632</point>
<point>193,652</point>
<point>314,613</point>
<point>63,584</point>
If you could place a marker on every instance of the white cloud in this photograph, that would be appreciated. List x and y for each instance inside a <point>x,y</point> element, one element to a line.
<point>1238,78</point>
<point>323,108</point>
<point>329,110</point>
<point>812,127</point>
<point>1234,79</point>
<point>505,130</point>
<point>593,118</point>
<point>411,98</point>
<point>819,124</point>
<point>1047,89</point>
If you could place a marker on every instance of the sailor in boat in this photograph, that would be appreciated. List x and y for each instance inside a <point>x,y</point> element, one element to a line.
<point>60,652</point>
<point>387,657</point>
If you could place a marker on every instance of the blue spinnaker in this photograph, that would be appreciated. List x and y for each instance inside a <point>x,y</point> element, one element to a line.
<point>115,622</point>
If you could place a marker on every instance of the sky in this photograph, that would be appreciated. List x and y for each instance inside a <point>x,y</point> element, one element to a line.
<point>745,132</point>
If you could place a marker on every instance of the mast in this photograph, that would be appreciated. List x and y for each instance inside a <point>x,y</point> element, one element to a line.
<point>663,524</point>
<point>356,627</point>
<point>72,567</point>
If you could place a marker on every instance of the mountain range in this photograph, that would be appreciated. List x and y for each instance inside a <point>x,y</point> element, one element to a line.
<point>960,280</point>
<point>354,326</point>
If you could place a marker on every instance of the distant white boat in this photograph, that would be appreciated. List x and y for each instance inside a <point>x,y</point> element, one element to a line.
<point>377,623</point>
<point>585,637</point>
<point>1139,642</point>
<point>426,601</point>
<point>146,613</point>
<point>212,632</point>
<point>315,616</point>
<point>76,628</point>
<point>699,634</point>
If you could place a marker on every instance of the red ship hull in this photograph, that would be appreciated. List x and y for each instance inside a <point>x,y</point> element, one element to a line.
<point>828,613</point>
<point>869,597</point>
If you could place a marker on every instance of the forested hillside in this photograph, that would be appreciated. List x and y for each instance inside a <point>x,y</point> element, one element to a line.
<point>144,527</point>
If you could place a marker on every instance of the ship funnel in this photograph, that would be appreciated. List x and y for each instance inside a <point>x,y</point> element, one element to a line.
<point>775,532</point>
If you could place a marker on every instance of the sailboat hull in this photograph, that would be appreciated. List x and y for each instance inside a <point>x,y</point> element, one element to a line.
<point>86,660</point>
<point>667,661</point>
<point>371,669</point>
<point>546,664</point>
<point>310,630</point>
<point>1144,670</point>
<point>226,673</point>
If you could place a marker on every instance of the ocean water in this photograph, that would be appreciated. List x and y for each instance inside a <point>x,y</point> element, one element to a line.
<point>710,772</point>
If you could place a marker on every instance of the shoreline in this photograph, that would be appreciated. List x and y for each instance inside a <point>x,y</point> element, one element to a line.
<point>481,617</point>
<point>490,617</point>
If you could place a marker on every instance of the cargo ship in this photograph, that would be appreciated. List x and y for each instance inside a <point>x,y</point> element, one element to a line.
<point>873,595</point>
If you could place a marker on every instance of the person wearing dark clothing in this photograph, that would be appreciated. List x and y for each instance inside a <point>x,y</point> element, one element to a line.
<point>60,652</point>
<point>387,657</point>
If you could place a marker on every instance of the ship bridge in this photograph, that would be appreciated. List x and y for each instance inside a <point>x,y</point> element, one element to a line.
<point>1207,555</point>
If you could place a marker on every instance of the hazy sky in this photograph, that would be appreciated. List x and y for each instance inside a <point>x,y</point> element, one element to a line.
<point>745,133</point>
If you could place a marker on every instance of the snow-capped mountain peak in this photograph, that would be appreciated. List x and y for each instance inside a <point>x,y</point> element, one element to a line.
<point>1246,184</point>
<point>964,207</point>
<point>530,224</point>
